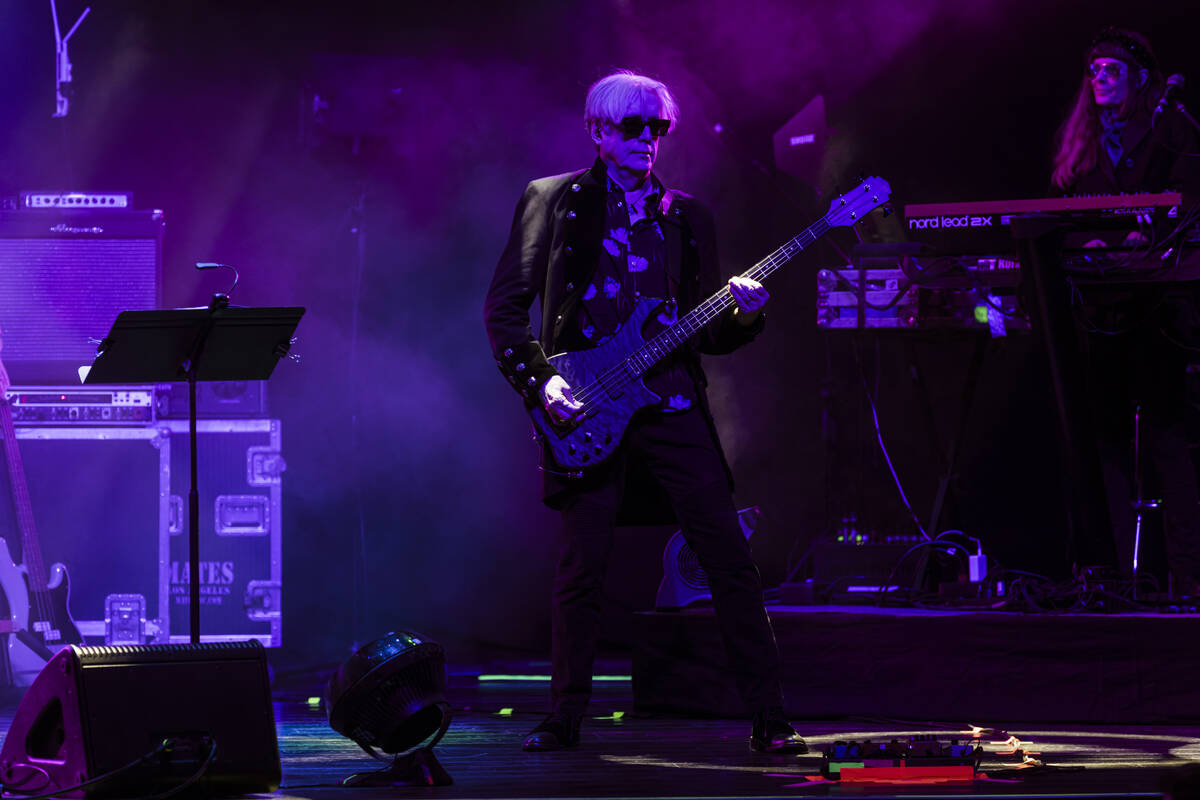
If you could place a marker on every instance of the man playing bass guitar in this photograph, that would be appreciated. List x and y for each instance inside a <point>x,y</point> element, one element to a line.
<point>592,245</point>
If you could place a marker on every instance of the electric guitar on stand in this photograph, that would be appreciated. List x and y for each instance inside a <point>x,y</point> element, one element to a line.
<point>607,380</point>
<point>40,619</point>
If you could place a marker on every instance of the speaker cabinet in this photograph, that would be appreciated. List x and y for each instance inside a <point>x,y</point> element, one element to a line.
<point>64,277</point>
<point>94,710</point>
<point>684,581</point>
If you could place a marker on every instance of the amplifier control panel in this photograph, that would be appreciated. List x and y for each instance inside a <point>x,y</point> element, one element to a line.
<point>91,406</point>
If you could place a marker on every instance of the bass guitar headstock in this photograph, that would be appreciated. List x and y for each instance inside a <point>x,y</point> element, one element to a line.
<point>859,201</point>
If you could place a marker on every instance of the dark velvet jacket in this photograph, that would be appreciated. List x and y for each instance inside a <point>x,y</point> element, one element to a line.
<point>1153,159</point>
<point>552,253</point>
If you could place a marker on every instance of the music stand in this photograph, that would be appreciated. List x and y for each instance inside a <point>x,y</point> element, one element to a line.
<point>217,343</point>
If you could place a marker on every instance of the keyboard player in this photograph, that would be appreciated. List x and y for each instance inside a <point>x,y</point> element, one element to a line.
<point>1116,140</point>
<point>1113,141</point>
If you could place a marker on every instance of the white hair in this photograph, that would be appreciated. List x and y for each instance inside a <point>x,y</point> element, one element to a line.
<point>612,97</point>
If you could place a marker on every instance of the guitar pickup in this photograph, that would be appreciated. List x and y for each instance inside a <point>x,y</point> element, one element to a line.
<point>48,633</point>
<point>569,426</point>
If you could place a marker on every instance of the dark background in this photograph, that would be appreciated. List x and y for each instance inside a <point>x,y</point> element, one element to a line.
<point>410,498</point>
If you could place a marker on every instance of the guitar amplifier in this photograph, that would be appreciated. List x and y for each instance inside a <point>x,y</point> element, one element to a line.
<point>240,470</point>
<point>64,277</point>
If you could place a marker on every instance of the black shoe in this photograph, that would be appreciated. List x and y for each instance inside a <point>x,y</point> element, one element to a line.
<point>772,734</point>
<point>554,733</point>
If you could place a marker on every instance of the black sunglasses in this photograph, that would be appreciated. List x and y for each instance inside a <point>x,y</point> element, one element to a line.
<point>632,127</point>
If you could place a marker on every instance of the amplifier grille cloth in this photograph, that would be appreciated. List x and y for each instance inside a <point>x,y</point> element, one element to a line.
<point>55,294</point>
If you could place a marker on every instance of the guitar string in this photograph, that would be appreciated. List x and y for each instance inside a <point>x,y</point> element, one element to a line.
<point>660,346</point>
<point>650,353</point>
<point>634,365</point>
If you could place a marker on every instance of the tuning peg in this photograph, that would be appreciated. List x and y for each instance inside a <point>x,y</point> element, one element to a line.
<point>887,211</point>
<point>862,178</point>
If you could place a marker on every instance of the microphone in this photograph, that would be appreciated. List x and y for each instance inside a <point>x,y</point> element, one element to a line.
<point>1174,86</point>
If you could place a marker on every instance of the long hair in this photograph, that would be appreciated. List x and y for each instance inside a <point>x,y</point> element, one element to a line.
<point>1077,144</point>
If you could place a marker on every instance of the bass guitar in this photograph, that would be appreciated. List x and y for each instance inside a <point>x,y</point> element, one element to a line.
<point>607,380</point>
<point>38,604</point>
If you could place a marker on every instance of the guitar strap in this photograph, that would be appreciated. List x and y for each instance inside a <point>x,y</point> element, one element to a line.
<point>674,230</point>
<point>673,234</point>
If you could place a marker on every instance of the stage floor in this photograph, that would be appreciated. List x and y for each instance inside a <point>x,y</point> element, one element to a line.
<point>628,751</point>
<point>625,754</point>
<point>654,756</point>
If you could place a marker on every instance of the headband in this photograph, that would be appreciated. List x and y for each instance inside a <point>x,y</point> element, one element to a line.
<point>1126,43</point>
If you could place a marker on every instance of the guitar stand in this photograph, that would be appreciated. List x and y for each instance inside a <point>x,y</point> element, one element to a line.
<point>35,644</point>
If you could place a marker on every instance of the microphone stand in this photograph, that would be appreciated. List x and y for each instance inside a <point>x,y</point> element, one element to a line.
<point>219,303</point>
<point>1184,112</point>
<point>1169,97</point>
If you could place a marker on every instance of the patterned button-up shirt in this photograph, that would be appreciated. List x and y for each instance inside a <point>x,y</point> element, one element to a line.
<point>632,265</point>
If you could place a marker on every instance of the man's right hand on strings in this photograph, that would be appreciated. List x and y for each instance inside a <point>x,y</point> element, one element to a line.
<point>558,400</point>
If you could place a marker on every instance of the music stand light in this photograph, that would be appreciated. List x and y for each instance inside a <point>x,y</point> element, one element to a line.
<point>391,695</point>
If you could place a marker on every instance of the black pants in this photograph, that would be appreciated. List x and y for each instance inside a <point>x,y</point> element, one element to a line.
<point>680,453</point>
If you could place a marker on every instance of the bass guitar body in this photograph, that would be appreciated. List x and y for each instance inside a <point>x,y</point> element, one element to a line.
<point>35,639</point>
<point>594,435</point>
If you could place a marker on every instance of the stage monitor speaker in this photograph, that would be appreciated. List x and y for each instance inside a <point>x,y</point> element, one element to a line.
<point>176,713</point>
<point>64,277</point>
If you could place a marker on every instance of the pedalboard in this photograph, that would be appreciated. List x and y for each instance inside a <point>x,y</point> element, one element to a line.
<point>923,753</point>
